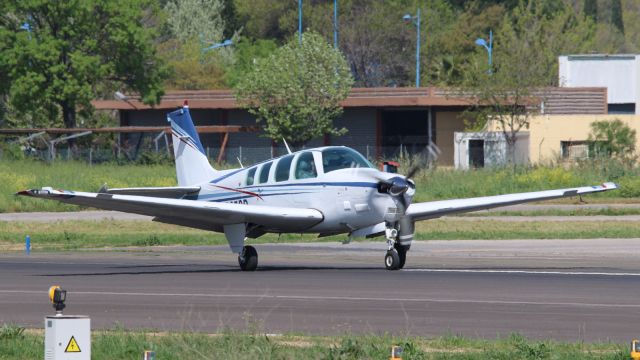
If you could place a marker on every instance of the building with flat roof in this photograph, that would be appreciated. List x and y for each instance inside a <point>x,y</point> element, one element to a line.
<point>380,121</point>
<point>619,73</point>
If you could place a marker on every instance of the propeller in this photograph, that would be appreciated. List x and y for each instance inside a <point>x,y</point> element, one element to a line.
<point>402,188</point>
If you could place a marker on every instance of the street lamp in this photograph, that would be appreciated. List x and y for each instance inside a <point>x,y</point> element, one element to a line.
<point>416,21</point>
<point>482,42</point>
<point>300,22</point>
<point>335,24</point>
<point>26,27</point>
<point>218,45</point>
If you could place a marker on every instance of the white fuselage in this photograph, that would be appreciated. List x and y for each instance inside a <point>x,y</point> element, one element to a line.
<point>347,197</point>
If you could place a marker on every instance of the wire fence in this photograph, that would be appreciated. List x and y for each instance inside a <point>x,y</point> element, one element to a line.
<point>232,156</point>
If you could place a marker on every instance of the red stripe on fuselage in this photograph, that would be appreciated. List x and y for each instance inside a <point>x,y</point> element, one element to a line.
<point>238,190</point>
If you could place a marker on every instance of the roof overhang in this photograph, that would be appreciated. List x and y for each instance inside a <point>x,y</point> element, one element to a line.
<point>359,97</point>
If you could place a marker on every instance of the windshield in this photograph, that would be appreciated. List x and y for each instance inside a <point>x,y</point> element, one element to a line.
<point>343,158</point>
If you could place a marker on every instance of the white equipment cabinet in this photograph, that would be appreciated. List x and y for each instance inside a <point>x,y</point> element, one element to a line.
<point>67,337</point>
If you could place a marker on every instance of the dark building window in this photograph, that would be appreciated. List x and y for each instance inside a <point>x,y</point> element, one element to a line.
<point>621,108</point>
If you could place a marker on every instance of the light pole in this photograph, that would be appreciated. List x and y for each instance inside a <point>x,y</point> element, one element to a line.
<point>416,21</point>
<point>335,24</point>
<point>300,22</point>
<point>26,27</point>
<point>218,45</point>
<point>482,42</point>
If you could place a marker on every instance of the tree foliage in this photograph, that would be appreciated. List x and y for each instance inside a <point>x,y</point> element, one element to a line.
<point>71,49</point>
<point>189,19</point>
<point>591,9</point>
<point>296,91</point>
<point>612,139</point>
<point>525,48</point>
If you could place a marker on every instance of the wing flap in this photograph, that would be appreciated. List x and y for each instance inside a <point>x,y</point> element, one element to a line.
<point>436,209</point>
<point>173,192</point>
<point>202,213</point>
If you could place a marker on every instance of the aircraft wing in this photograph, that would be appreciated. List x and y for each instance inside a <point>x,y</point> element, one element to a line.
<point>195,213</point>
<point>436,209</point>
<point>174,192</point>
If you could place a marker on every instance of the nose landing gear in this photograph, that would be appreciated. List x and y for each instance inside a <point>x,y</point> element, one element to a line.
<point>396,255</point>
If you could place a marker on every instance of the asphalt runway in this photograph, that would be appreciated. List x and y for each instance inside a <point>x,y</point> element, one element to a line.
<point>562,289</point>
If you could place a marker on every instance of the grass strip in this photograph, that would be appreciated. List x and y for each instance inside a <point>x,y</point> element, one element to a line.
<point>78,234</point>
<point>15,343</point>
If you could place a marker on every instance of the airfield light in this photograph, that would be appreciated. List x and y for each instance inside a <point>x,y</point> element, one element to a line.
<point>635,349</point>
<point>396,353</point>
<point>416,21</point>
<point>57,296</point>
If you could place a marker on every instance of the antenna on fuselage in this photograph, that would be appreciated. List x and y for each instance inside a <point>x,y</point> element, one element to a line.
<point>287,145</point>
<point>240,162</point>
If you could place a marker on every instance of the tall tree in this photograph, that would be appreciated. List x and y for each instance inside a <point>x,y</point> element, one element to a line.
<point>71,47</point>
<point>190,19</point>
<point>296,91</point>
<point>616,15</point>
<point>591,9</point>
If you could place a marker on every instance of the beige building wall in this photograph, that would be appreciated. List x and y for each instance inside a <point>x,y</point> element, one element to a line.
<point>447,122</point>
<point>548,131</point>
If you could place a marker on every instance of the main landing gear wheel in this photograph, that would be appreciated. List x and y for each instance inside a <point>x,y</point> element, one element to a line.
<point>392,260</point>
<point>248,258</point>
<point>402,254</point>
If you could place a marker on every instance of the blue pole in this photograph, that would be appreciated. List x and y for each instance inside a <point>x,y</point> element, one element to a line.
<point>300,21</point>
<point>27,245</point>
<point>490,47</point>
<point>418,50</point>
<point>335,24</point>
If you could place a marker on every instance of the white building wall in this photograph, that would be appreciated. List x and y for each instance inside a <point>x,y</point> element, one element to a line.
<point>620,74</point>
<point>495,148</point>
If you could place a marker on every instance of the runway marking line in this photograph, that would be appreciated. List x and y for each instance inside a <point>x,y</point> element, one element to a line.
<point>334,298</point>
<point>526,272</point>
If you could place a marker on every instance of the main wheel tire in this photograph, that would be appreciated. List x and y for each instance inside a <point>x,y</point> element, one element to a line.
<point>248,259</point>
<point>402,253</point>
<point>392,260</point>
<point>403,258</point>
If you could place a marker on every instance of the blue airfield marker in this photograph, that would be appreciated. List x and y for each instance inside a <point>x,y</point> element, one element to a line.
<point>27,245</point>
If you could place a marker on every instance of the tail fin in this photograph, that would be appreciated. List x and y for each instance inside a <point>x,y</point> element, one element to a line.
<point>192,165</point>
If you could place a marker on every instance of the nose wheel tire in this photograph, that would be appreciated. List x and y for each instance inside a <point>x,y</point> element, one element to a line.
<point>392,260</point>
<point>248,258</point>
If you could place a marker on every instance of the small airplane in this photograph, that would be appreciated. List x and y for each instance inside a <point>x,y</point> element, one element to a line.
<point>327,191</point>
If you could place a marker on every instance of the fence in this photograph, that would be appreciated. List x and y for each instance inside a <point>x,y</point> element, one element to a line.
<point>232,156</point>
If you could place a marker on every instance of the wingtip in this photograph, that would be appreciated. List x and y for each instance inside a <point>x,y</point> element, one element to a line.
<point>24,193</point>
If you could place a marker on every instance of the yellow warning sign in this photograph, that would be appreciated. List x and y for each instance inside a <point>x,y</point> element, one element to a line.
<point>72,346</point>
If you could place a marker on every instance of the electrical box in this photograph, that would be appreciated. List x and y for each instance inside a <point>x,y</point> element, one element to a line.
<point>67,337</point>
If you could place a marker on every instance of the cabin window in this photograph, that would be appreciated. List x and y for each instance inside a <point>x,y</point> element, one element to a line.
<point>251,175</point>
<point>305,166</point>
<point>343,158</point>
<point>264,172</point>
<point>283,167</point>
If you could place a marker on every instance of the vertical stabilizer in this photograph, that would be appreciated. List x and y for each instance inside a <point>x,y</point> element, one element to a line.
<point>192,165</point>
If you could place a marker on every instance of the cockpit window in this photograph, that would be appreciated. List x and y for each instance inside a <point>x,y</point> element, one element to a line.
<point>251,175</point>
<point>343,158</point>
<point>305,166</point>
<point>264,172</point>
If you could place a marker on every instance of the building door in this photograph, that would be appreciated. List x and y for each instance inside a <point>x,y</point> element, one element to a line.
<point>406,129</point>
<point>476,153</point>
